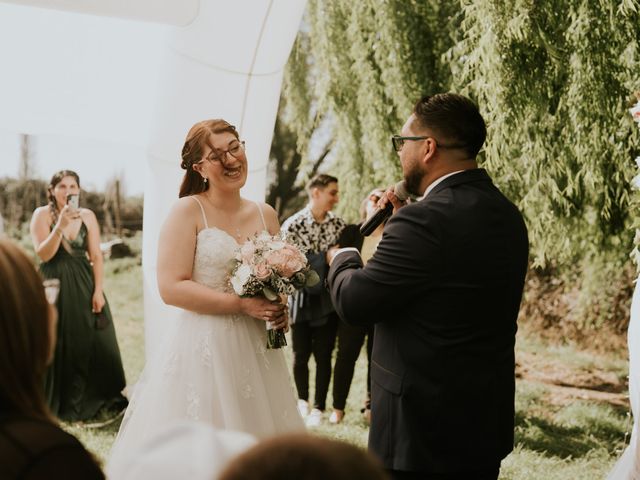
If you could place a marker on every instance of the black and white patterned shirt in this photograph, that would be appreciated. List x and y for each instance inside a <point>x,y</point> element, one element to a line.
<point>304,231</point>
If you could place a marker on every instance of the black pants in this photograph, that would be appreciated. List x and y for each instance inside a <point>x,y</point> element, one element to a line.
<point>350,340</point>
<point>484,474</point>
<point>319,341</point>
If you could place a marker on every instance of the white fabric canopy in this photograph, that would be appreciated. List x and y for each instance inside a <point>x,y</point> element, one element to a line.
<point>171,12</point>
<point>69,73</point>
<point>227,64</point>
<point>78,75</point>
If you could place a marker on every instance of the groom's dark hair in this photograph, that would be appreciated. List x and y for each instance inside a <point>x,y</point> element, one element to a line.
<point>454,119</point>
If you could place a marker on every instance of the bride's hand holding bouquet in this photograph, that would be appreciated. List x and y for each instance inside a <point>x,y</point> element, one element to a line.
<point>273,312</point>
<point>267,266</point>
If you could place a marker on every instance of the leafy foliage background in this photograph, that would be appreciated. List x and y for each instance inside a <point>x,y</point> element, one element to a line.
<point>553,79</point>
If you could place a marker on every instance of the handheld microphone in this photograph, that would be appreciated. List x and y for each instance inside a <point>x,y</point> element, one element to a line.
<point>381,214</point>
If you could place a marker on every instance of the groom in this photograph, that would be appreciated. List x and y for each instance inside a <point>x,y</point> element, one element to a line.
<point>443,289</point>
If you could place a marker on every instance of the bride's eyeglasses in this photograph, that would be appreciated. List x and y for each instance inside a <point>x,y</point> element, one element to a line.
<point>51,290</point>
<point>235,150</point>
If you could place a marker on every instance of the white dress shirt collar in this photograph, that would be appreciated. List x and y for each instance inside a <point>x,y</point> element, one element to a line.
<point>437,181</point>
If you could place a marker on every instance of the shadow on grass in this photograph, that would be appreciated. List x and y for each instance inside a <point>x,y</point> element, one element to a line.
<point>106,423</point>
<point>573,431</point>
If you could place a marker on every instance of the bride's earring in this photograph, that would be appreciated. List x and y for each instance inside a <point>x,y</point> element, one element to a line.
<point>205,179</point>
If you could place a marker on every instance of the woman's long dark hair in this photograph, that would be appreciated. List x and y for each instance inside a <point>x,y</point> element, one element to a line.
<point>24,335</point>
<point>55,180</point>
<point>197,138</point>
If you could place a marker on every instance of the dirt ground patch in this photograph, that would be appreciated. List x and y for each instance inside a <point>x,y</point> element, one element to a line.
<point>566,384</point>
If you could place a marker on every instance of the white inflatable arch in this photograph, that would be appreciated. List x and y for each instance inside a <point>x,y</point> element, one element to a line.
<point>142,72</point>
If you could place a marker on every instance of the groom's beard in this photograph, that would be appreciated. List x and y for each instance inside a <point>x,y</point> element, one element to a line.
<point>412,181</point>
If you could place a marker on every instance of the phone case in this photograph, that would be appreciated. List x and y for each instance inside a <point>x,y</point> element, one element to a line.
<point>73,201</point>
<point>102,321</point>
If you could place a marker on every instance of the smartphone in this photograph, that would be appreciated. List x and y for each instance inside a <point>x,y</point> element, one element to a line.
<point>73,200</point>
<point>102,321</point>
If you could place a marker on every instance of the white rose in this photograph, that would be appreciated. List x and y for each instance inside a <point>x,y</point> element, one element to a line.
<point>237,285</point>
<point>264,236</point>
<point>240,278</point>
<point>276,245</point>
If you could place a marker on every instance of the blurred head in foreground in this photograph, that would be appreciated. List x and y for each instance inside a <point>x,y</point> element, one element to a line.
<point>302,456</point>
<point>27,334</point>
<point>182,449</point>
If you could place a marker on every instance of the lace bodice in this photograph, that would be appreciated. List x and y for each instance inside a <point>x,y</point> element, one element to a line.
<point>214,258</point>
<point>215,254</point>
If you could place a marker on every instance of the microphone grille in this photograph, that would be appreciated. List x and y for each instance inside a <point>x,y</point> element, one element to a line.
<point>401,191</point>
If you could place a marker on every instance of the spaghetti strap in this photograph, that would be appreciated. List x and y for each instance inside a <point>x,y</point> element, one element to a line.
<point>264,224</point>
<point>204,217</point>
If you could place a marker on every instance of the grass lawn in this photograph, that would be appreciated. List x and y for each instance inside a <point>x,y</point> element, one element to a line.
<point>571,406</point>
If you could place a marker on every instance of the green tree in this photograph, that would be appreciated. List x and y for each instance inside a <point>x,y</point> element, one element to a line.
<point>291,162</point>
<point>372,59</point>
<point>552,79</point>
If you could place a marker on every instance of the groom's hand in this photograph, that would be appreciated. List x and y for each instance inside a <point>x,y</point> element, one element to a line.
<point>331,253</point>
<point>390,196</point>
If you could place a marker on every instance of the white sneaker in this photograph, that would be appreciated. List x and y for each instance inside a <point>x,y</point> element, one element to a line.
<point>314,419</point>
<point>303,408</point>
<point>336,417</point>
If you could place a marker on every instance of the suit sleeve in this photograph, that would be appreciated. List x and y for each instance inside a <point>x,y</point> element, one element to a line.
<point>406,264</point>
<point>318,262</point>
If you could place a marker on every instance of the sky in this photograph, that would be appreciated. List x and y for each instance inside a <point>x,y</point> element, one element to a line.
<point>95,161</point>
<point>90,91</point>
<point>83,88</point>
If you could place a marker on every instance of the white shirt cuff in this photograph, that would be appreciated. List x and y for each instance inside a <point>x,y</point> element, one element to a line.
<point>345,249</point>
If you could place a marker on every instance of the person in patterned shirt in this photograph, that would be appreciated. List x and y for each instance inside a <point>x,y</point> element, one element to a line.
<point>314,320</point>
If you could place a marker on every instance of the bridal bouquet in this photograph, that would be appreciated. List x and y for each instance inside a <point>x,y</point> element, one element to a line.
<point>268,265</point>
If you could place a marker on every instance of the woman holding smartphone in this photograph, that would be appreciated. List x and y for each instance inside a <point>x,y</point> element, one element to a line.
<point>86,373</point>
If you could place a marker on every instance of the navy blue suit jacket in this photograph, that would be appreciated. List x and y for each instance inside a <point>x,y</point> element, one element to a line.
<point>444,290</point>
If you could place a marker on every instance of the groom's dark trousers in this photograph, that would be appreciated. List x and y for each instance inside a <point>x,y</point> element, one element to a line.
<point>443,290</point>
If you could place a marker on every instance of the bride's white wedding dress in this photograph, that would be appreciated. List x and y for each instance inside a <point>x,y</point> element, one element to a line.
<point>212,368</point>
<point>628,465</point>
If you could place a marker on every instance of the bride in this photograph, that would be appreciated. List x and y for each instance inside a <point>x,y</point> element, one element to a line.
<point>214,367</point>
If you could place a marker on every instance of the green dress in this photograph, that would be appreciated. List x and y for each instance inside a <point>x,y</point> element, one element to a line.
<point>86,373</point>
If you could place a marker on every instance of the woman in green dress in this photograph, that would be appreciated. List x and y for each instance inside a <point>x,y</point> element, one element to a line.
<point>86,373</point>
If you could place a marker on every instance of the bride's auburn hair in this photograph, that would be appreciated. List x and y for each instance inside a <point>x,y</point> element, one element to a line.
<point>199,135</point>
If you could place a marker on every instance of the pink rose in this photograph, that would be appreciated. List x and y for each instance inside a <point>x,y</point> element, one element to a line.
<point>262,271</point>
<point>286,260</point>
<point>293,252</point>
<point>295,260</point>
<point>276,259</point>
